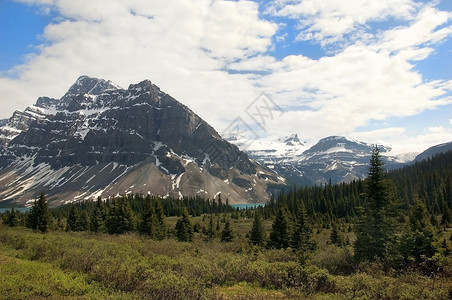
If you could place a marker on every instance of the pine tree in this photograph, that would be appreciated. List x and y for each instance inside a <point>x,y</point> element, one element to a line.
<point>120,217</point>
<point>257,233</point>
<point>375,231</point>
<point>39,217</point>
<point>227,234</point>
<point>279,235</point>
<point>184,229</point>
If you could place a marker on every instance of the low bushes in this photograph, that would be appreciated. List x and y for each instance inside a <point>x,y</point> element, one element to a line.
<point>136,267</point>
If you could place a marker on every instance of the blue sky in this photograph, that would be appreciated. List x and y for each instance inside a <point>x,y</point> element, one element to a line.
<point>375,71</point>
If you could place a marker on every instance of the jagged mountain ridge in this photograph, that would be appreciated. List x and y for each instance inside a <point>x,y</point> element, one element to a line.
<point>334,158</point>
<point>102,140</point>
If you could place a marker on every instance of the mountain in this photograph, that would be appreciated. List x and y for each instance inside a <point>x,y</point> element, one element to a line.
<point>102,140</point>
<point>334,158</point>
<point>432,151</point>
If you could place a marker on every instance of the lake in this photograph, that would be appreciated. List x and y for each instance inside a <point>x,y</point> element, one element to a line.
<point>21,209</point>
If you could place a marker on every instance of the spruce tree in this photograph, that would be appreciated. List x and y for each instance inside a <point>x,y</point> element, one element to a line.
<point>98,217</point>
<point>161,230</point>
<point>419,237</point>
<point>83,221</point>
<point>72,220</point>
<point>335,237</point>
<point>149,222</point>
<point>184,229</point>
<point>446,217</point>
<point>210,231</point>
<point>279,235</point>
<point>227,234</point>
<point>375,231</point>
<point>120,217</point>
<point>302,234</point>
<point>12,219</point>
<point>39,217</point>
<point>257,233</point>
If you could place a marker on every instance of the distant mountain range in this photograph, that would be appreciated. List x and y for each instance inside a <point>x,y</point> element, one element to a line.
<point>337,159</point>
<point>102,140</point>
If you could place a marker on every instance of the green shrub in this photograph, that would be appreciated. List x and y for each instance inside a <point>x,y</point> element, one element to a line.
<point>336,260</point>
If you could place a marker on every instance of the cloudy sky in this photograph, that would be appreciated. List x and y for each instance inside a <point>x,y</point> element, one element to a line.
<point>377,71</point>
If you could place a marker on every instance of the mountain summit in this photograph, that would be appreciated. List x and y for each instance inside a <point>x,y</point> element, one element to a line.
<point>102,140</point>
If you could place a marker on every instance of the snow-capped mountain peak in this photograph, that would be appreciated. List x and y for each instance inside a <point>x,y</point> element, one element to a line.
<point>291,140</point>
<point>91,86</point>
<point>338,158</point>
<point>99,139</point>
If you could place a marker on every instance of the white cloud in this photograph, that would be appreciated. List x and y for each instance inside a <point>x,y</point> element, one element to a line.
<point>327,21</point>
<point>423,30</point>
<point>181,46</point>
<point>214,57</point>
<point>401,142</point>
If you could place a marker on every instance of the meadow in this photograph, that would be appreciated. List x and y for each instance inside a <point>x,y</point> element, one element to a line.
<point>84,265</point>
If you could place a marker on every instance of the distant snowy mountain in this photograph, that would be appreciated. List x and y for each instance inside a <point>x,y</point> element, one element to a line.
<point>334,158</point>
<point>102,140</point>
<point>286,148</point>
<point>432,151</point>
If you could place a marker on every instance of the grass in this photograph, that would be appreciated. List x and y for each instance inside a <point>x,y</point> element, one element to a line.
<point>60,265</point>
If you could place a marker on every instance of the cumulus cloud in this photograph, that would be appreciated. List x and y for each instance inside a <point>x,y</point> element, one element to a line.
<point>329,21</point>
<point>220,54</point>
<point>181,46</point>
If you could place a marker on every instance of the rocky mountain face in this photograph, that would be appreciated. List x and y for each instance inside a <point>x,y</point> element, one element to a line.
<point>334,158</point>
<point>102,140</point>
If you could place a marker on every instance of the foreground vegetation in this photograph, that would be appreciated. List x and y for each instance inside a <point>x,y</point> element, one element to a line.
<point>356,241</point>
<point>83,265</point>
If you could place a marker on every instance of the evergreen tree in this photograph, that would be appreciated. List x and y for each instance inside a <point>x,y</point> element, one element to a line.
<point>218,227</point>
<point>149,222</point>
<point>72,220</point>
<point>39,217</point>
<point>257,233</point>
<point>83,221</point>
<point>12,220</point>
<point>161,230</point>
<point>210,231</point>
<point>120,217</point>
<point>279,235</point>
<point>375,231</point>
<point>302,234</point>
<point>445,249</point>
<point>227,234</point>
<point>98,217</point>
<point>446,217</point>
<point>184,229</point>
<point>335,237</point>
<point>419,238</point>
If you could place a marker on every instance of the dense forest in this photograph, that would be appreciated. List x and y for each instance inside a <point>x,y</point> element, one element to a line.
<point>392,222</point>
